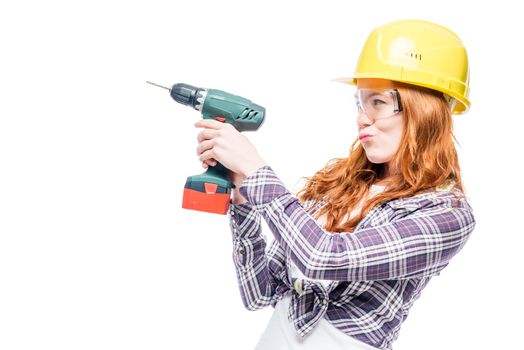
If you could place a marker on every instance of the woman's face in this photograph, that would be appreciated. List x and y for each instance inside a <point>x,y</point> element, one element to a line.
<point>385,133</point>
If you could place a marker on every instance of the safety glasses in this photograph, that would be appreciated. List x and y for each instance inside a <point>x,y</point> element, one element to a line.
<point>378,104</point>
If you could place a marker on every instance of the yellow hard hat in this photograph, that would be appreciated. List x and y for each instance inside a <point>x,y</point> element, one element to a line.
<point>420,53</point>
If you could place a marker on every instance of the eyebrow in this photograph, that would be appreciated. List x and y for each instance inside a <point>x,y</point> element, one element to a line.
<point>371,94</point>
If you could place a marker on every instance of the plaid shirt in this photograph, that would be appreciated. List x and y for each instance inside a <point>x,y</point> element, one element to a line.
<point>377,271</point>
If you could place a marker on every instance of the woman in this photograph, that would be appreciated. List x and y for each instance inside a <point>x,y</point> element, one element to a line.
<point>366,234</point>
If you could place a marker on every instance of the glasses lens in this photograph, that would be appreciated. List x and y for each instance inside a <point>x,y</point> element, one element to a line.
<point>377,104</point>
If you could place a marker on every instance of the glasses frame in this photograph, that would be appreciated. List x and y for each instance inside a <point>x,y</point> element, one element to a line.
<point>395,92</point>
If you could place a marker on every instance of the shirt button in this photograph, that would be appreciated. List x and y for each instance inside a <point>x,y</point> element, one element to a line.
<point>298,285</point>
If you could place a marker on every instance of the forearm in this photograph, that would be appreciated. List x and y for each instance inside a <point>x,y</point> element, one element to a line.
<point>255,282</point>
<point>417,246</point>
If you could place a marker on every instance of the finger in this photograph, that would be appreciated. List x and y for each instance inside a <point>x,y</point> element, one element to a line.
<point>205,145</point>
<point>209,123</point>
<point>207,134</point>
<point>209,154</point>
<point>209,162</point>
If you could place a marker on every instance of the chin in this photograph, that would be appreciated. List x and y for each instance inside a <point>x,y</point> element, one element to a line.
<point>377,160</point>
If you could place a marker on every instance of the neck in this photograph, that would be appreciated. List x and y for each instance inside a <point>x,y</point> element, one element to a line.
<point>384,174</point>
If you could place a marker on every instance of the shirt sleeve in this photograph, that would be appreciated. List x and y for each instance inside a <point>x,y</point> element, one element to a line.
<point>417,245</point>
<point>260,275</point>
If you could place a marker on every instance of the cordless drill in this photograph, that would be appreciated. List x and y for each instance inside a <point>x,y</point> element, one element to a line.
<point>211,190</point>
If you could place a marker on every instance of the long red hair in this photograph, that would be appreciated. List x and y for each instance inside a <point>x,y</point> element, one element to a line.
<point>426,158</point>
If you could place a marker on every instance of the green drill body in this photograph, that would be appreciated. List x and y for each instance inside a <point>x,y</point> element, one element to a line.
<point>211,190</point>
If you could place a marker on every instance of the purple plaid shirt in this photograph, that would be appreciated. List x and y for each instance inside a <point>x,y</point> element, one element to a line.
<point>378,271</point>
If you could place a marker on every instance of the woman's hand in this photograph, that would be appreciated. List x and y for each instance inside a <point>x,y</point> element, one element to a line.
<point>233,177</point>
<point>223,143</point>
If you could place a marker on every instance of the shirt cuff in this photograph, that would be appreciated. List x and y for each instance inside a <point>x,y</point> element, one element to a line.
<point>262,187</point>
<point>240,212</point>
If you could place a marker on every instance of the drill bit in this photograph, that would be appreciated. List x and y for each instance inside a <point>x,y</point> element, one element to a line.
<point>163,87</point>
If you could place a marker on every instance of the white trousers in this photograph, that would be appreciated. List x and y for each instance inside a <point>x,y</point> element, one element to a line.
<point>281,335</point>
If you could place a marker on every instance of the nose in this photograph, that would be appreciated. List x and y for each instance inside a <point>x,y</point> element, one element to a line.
<point>362,119</point>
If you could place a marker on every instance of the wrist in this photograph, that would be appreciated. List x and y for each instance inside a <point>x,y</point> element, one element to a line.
<point>237,197</point>
<point>252,168</point>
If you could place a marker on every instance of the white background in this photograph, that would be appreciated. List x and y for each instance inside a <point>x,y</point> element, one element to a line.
<point>95,249</point>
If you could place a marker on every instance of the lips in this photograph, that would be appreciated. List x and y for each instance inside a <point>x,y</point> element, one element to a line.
<point>364,137</point>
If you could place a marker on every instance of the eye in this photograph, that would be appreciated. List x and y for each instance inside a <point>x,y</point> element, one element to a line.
<point>377,101</point>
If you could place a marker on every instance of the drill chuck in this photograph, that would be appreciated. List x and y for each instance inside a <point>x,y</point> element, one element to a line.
<point>189,95</point>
